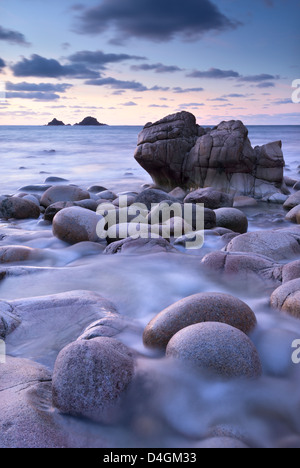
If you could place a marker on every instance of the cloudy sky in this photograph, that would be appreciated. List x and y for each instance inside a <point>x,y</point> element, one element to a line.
<point>128,62</point>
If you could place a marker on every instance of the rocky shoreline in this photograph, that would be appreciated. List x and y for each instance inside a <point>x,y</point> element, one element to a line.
<point>87,377</point>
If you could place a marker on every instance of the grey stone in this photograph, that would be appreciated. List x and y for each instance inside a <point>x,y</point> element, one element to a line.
<point>32,199</point>
<point>179,193</point>
<point>242,202</point>
<point>96,189</point>
<point>151,197</point>
<point>278,245</point>
<point>232,219</point>
<point>211,198</point>
<point>63,193</point>
<point>203,307</point>
<point>89,204</point>
<point>244,267</point>
<point>217,348</point>
<point>107,195</point>
<point>90,377</point>
<point>12,253</point>
<point>56,180</point>
<point>287,298</point>
<point>291,271</point>
<point>53,209</point>
<point>42,326</point>
<point>18,208</point>
<point>35,188</point>
<point>289,182</point>
<point>75,225</point>
<point>139,246</point>
<point>294,215</point>
<point>292,201</point>
<point>111,327</point>
<point>25,421</point>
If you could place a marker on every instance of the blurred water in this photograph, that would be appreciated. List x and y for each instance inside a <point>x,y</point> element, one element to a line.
<point>83,155</point>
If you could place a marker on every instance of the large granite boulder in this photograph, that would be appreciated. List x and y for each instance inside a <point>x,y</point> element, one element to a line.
<point>90,377</point>
<point>177,152</point>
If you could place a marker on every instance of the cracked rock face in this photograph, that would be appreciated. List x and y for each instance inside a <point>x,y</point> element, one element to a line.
<point>177,152</point>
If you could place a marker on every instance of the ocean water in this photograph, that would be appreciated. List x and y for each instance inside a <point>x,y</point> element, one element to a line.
<point>102,155</point>
<point>180,407</point>
<point>83,155</point>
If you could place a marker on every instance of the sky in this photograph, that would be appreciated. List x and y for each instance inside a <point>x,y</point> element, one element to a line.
<point>129,62</point>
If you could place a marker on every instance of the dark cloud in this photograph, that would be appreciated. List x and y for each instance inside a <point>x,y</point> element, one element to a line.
<point>192,104</point>
<point>41,87</point>
<point>2,64</point>
<point>117,84</point>
<point>155,20</point>
<point>157,67</point>
<point>13,37</point>
<point>159,88</point>
<point>65,45</point>
<point>259,78</point>
<point>120,86</point>
<point>163,106</point>
<point>129,104</point>
<point>223,105</point>
<point>214,73</point>
<point>235,95</point>
<point>50,68</point>
<point>99,59</point>
<point>221,99</point>
<point>119,92</point>
<point>179,90</point>
<point>37,96</point>
<point>267,84</point>
<point>283,101</point>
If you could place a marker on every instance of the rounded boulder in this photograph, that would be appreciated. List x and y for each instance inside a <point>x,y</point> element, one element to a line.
<point>217,348</point>
<point>233,219</point>
<point>90,377</point>
<point>63,193</point>
<point>75,225</point>
<point>200,308</point>
<point>18,208</point>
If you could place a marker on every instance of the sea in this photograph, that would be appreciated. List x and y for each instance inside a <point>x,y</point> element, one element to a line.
<point>179,408</point>
<point>102,155</point>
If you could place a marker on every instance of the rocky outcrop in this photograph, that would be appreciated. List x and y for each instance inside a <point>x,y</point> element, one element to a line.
<point>56,123</point>
<point>90,121</point>
<point>177,152</point>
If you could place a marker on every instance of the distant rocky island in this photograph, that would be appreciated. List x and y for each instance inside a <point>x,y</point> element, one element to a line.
<point>87,122</point>
<point>56,123</point>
